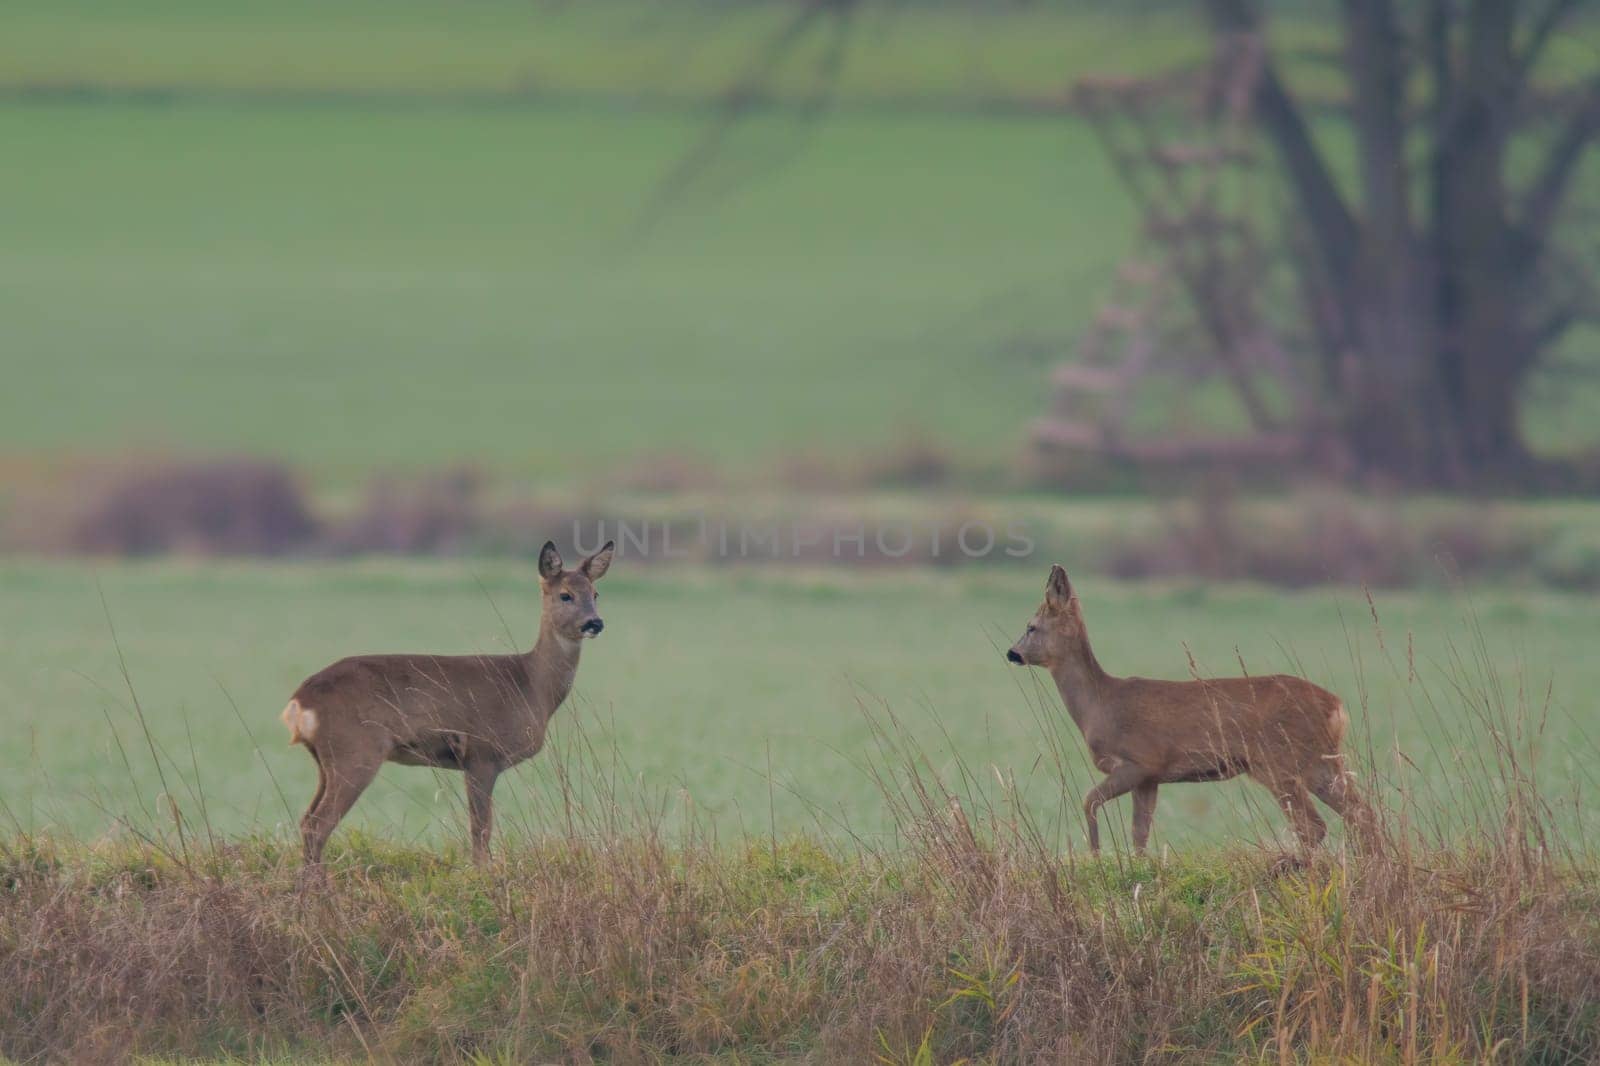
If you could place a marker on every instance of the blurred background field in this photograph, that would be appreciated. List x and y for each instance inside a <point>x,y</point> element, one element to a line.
<point>937,53</point>
<point>355,235</point>
<point>350,286</point>
<point>367,239</point>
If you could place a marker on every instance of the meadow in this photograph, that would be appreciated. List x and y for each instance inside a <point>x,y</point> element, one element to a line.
<point>745,702</point>
<point>790,817</point>
<point>791,812</point>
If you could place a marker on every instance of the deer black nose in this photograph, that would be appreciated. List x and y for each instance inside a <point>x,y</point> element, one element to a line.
<point>593,625</point>
<point>1013,657</point>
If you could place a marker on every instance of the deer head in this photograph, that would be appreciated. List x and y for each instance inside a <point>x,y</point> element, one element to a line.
<point>1054,627</point>
<point>569,595</point>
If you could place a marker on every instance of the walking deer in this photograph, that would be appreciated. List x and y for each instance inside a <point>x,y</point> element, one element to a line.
<point>1282,731</point>
<point>479,714</point>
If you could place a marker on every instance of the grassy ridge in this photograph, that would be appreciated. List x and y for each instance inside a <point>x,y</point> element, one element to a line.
<point>969,937</point>
<point>704,679</point>
<point>962,948</point>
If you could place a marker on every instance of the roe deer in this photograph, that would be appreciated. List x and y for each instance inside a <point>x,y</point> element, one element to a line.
<point>1283,731</point>
<point>479,714</point>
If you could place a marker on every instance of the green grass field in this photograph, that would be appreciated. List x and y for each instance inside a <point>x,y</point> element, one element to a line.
<point>360,236</point>
<point>702,677</point>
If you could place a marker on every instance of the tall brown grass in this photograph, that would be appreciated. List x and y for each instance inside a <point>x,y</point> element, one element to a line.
<point>1470,931</point>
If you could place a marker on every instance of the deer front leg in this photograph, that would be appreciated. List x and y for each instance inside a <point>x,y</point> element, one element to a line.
<point>480,807</point>
<point>1144,813</point>
<point>1125,778</point>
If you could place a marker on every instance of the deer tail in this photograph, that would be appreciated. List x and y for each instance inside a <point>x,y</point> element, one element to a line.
<point>1338,723</point>
<point>301,720</point>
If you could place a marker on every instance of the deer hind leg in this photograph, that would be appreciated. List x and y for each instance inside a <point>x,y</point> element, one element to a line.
<point>1334,785</point>
<point>343,781</point>
<point>1125,778</point>
<point>1144,813</point>
<point>480,808</point>
<point>322,790</point>
<point>1295,799</point>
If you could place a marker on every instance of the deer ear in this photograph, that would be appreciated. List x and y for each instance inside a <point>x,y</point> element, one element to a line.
<point>549,560</point>
<point>594,568</point>
<point>1057,590</point>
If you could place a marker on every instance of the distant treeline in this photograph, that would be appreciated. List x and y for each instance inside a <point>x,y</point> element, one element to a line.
<point>907,508</point>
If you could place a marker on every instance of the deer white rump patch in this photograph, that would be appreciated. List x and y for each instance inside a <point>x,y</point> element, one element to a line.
<point>1339,721</point>
<point>302,722</point>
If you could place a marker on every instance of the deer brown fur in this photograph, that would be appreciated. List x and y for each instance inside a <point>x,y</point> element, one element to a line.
<point>479,714</point>
<point>1282,731</point>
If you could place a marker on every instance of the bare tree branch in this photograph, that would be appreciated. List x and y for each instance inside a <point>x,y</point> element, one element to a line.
<point>1327,213</point>
<point>736,103</point>
<point>1437,41</point>
<point>1491,65</point>
<point>1549,187</point>
<point>1544,26</point>
<point>1377,71</point>
<point>1309,174</point>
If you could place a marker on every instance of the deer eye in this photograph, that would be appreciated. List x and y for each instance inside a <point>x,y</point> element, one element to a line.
<point>1032,628</point>
<point>566,597</point>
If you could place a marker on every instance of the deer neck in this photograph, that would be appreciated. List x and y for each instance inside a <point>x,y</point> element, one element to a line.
<point>552,667</point>
<point>1082,683</point>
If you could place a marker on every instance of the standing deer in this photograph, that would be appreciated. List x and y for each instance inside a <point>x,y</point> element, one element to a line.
<point>1283,731</point>
<point>479,714</point>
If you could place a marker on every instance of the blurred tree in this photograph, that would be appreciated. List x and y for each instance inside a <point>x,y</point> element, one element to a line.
<point>1433,285</point>
<point>1428,282</point>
